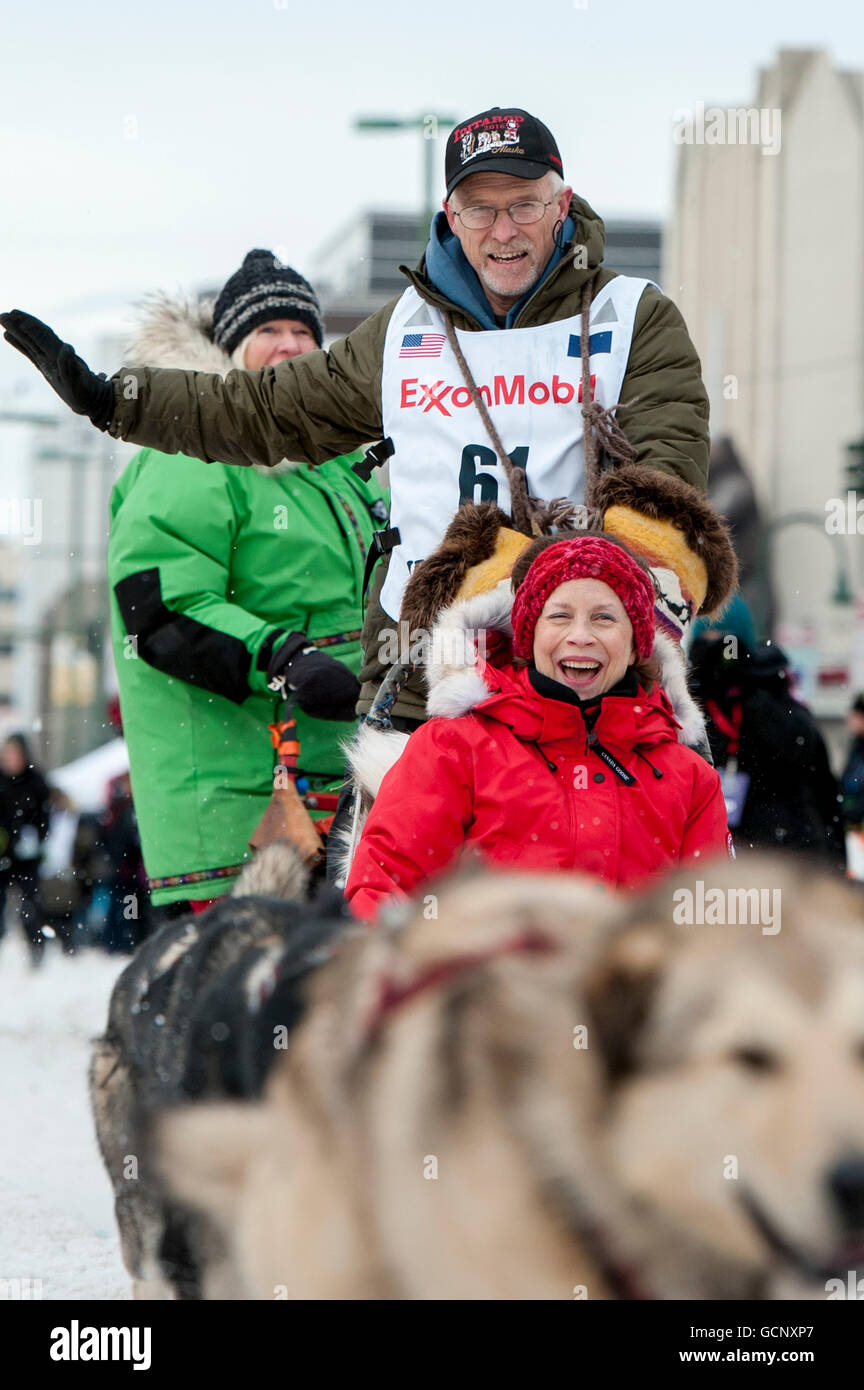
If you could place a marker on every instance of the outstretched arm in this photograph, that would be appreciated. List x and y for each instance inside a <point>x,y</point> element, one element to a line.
<point>311,407</point>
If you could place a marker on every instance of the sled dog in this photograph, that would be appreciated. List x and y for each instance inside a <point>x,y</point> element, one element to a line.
<point>551,1093</point>
<point>201,1011</point>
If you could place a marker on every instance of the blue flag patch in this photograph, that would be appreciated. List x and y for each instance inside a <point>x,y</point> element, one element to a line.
<point>597,342</point>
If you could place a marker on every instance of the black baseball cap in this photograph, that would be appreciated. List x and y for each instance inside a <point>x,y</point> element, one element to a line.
<point>506,140</point>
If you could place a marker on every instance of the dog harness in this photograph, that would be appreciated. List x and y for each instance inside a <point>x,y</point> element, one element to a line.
<point>393,993</point>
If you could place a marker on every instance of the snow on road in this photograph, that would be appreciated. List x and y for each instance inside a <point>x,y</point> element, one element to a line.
<point>56,1207</point>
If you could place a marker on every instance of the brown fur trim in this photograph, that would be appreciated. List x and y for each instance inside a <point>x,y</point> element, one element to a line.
<point>469,539</point>
<point>663,497</point>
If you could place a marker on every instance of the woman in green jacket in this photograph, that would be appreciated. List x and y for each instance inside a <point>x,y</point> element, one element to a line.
<point>222,580</point>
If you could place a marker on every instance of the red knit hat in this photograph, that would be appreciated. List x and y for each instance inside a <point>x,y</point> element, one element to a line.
<point>585,557</point>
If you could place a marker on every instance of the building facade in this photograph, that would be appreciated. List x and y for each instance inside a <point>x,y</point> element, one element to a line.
<point>764,254</point>
<point>55,663</point>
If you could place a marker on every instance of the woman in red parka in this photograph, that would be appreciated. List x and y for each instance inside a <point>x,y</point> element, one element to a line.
<point>557,749</point>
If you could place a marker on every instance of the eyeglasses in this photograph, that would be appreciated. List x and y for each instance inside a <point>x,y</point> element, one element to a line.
<point>523,214</point>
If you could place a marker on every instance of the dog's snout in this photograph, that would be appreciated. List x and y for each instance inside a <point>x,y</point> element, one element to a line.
<point>846,1185</point>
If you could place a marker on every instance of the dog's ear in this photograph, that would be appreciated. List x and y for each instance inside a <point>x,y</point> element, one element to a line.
<point>620,987</point>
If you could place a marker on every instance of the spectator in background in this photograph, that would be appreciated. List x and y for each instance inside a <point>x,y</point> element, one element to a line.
<point>24,819</point>
<point>777,780</point>
<point>75,861</point>
<point>852,780</point>
<point>224,583</point>
<point>129,917</point>
<point>852,788</point>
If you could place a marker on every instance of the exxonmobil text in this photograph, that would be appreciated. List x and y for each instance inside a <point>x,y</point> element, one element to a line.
<point>512,390</point>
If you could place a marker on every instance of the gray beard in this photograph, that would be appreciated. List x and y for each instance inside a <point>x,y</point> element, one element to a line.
<point>514,294</point>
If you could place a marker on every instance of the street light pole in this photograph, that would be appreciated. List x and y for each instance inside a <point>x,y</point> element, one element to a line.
<point>428,126</point>
<point>428,184</point>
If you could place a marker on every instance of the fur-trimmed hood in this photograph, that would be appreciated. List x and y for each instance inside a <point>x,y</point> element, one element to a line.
<point>460,678</point>
<point>176,332</point>
<point>460,648</point>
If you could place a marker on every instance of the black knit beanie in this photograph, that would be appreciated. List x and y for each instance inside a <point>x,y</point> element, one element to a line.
<point>263,289</point>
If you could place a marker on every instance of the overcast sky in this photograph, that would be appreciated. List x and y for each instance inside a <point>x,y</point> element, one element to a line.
<point>152,144</point>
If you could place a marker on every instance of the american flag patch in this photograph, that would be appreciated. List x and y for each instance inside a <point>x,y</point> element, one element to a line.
<point>422,345</point>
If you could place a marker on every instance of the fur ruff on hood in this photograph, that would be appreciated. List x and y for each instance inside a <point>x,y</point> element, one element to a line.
<point>176,332</point>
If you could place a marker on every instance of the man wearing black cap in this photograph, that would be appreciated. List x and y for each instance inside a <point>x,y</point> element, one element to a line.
<point>499,154</point>
<point>511,261</point>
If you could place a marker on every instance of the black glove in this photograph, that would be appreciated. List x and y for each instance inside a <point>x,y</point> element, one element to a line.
<point>325,688</point>
<point>82,390</point>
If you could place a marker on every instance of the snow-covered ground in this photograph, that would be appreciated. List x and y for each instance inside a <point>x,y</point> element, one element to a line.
<point>56,1208</point>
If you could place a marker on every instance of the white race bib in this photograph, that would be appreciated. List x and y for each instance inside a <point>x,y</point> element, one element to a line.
<point>531,382</point>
